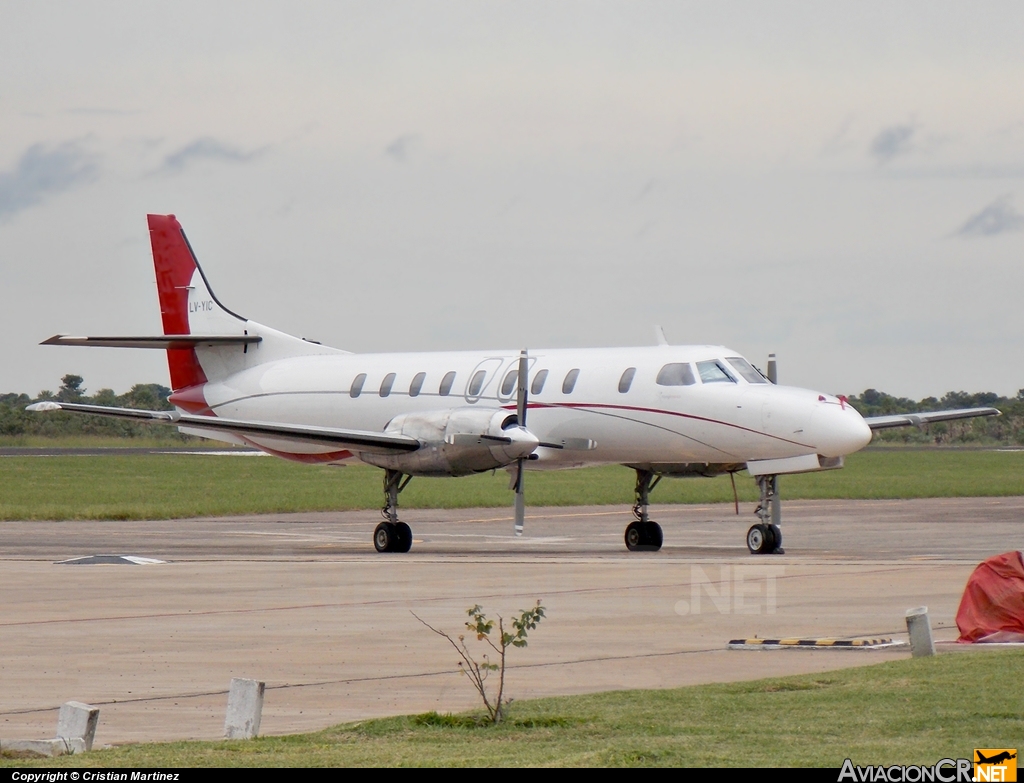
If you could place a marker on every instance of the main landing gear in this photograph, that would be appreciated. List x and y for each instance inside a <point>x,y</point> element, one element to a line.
<point>643,535</point>
<point>765,538</point>
<point>392,535</point>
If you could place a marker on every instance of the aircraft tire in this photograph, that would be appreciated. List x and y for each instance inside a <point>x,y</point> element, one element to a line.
<point>654,536</point>
<point>776,539</point>
<point>635,537</point>
<point>403,540</point>
<point>760,540</point>
<point>641,537</point>
<point>385,537</point>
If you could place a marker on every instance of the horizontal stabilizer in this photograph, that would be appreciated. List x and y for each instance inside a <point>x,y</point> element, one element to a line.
<point>919,419</point>
<point>356,440</point>
<point>166,341</point>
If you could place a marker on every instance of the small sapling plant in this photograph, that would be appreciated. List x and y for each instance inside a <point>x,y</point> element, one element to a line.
<point>478,671</point>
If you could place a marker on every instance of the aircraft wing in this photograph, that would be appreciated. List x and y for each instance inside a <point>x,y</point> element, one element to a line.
<point>917,419</point>
<point>358,440</point>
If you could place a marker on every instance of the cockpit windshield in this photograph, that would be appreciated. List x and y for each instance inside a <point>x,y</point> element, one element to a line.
<point>744,368</point>
<point>713,371</point>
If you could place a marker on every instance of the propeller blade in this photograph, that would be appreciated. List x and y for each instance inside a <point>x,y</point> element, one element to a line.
<point>521,400</point>
<point>520,498</point>
<point>521,397</point>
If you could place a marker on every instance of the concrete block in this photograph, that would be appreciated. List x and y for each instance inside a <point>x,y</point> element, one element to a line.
<point>920,630</point>
<point>48,747</point>
<point>78,721</point>
<point>245,708</point>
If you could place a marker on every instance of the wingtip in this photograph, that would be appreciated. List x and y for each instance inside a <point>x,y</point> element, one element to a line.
<point>46,405</point>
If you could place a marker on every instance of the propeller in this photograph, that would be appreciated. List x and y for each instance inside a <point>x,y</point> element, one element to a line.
<point>521,399</point>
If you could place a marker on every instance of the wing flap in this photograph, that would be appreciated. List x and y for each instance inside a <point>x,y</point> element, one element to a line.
<point>357,440</point>
<point>919,419</point>
<point>167,341</point>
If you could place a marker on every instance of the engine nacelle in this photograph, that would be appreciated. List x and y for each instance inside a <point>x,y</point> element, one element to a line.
<point>456,442</point>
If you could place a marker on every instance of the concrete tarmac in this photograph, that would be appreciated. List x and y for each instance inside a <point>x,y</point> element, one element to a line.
<point>303,602</point>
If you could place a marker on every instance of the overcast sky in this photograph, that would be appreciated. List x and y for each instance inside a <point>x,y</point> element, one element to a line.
<point>842,187</point>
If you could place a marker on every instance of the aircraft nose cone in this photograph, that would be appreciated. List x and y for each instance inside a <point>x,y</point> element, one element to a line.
<point>841,430</point>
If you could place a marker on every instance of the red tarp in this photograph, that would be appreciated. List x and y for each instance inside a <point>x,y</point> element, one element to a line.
<point>992,609</point>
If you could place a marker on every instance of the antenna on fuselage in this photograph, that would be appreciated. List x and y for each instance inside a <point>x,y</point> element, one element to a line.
<point>773,369</point>
<point>659,335</point>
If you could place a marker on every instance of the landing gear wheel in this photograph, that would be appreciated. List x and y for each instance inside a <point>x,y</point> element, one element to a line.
<point>643,536</point>
<point>634,536</point>
<point>654,536</point>
<point>760,540</point>
<point>385,537</point>
<point>403,542</point>
<point>777,537</point>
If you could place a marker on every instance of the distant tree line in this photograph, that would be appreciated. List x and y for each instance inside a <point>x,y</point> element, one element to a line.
<point>1007,429</point>
<point>15,421</point>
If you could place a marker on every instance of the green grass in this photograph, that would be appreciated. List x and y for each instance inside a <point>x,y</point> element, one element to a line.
<point>912,711</point>
<point>169,486</point>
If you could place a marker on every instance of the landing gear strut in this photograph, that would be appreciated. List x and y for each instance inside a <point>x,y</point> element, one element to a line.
<point>392,535</point>
<point>643,535</point>
<point>765,538</point>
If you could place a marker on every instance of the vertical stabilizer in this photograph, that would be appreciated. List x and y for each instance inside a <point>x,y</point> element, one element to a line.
<point>189,306</point>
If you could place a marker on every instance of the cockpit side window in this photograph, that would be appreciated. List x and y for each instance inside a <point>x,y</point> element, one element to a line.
<point>712,371</point>
<point>744,368</point>
<point>676,374</point>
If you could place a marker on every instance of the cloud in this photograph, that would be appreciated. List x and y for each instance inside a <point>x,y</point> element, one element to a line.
<point>206,148</point>
<point>400,148</point>
<point>43,171</point>
<point>999,217</point>
<point>892,142</point>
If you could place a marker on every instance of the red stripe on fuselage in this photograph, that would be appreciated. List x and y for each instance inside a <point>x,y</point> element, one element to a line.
<point>585,405</point>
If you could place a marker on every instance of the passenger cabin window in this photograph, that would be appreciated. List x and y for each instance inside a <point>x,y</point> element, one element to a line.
<point>357,385</point>
<point>446,384</point>
<point>386,384</point>
<point>477,383</point>
<point>509,384</point>
<point>676,374</point>
<point>712,371</point>
<point>417,384</point>
<point>744,368</point>
<point>538,382</point>
<point>626,380</point>
<point>570,381</point>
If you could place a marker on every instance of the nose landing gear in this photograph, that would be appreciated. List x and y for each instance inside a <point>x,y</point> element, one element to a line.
<point>643,535</point>
<point>765,538</point>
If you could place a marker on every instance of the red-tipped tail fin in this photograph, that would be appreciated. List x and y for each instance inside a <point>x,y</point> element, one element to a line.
<point>184,297</point>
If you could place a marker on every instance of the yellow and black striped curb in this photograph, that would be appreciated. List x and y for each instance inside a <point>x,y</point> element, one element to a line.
<point>824,644</point>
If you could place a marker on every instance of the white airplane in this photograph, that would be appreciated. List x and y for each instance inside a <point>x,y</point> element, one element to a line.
<point>697,410</point>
